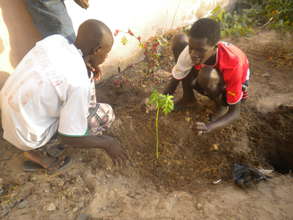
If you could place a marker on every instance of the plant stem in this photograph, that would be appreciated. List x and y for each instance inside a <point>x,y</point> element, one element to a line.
<point>157,133</point>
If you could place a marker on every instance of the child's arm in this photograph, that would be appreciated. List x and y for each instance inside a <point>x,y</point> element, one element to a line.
<point>107,143</point>
<point>179,71</point>
<point>232,114</point>
<point>171,87</point>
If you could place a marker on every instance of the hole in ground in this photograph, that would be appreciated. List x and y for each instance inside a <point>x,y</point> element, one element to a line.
<point>281,160</point>
<point>275,140</point>
<point>188,161</point>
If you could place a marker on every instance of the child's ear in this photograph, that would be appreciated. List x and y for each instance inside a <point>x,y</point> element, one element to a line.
<point>96,50</point>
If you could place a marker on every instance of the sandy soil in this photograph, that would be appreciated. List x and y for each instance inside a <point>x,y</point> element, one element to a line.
<point>180,185</point>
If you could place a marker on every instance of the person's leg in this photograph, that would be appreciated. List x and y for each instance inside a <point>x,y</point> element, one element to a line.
<point>51,17</point>
<point>100,119</point>
<point>210,83</point>
<point>188,99</point>
<point>179,42</point>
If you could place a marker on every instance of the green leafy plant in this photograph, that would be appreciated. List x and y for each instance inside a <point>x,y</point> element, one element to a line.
<point>153,51</point>
<point>232,23</point>
<point>276,13</point>
<point>162,103</point>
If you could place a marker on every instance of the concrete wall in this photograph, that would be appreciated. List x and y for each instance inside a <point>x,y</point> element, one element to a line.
<point>144,18</point>
<point>17,35</point>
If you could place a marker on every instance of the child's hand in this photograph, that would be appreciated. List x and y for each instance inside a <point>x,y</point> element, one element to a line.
<point>96,71</point>
<point>82,3</point>
<point>202,128</point>
<point>116,153</point>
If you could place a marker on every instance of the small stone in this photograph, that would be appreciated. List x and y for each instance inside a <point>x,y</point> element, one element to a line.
<point>265,75</point>
<point>83,216</point>
<point>199,206</point>
<point>215,147</point>
<point>51,207</point>
<point>1,190</point>
<point>22,204</point>
<point>217,181</point>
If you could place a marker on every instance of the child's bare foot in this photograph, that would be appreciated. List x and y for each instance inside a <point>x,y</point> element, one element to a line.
<point>55,151</point>
<point>222,110</point>
<point>38,160</point>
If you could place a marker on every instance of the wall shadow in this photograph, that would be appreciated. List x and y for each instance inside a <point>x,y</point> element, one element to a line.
<point>22,32</point>
<point>3,78</point>
<point>1,46</point>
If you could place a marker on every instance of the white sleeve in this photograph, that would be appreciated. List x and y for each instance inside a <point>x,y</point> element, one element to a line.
<point>74,112</point>
<point>183,65</point>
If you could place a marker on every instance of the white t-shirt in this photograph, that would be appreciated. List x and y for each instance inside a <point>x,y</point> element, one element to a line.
<point>183,65</point>
<point>49,91</point>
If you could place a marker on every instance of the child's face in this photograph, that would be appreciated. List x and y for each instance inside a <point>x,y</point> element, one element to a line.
<point>200,50</point>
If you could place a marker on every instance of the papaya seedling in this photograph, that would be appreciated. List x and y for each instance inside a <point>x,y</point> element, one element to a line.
<point>162,103</point>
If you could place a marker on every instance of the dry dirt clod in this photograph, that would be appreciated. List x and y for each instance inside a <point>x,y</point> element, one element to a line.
<point>1,187</point>
<point>215,147</point>
<point>22,204</point>
<point>199,206</point>
<point>51,207</point>
<point>217,181</point>
<point>1,190</point>
<point>83,216</point>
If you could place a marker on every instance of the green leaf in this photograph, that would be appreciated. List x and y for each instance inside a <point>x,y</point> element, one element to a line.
<point>153,100</point>
<point>161,101</point>
<point>124,40</point>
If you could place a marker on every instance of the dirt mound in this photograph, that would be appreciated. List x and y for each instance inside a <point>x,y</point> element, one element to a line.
<point>186,159</point>
<point>179,185</point>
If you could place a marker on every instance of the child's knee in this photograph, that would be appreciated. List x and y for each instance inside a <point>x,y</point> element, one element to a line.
<point>209,83</point>
<point>102,119</point>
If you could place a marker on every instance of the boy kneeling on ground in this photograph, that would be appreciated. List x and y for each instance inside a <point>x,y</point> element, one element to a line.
<point>52,91</point>
<point>211,67</point>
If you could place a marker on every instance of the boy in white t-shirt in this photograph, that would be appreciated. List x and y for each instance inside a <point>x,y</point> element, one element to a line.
<point>52,91</point>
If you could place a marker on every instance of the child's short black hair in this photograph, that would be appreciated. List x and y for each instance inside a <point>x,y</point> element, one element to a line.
<point>206,28</point>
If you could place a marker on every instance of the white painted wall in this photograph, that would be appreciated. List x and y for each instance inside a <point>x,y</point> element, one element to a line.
<point>145,18</point>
